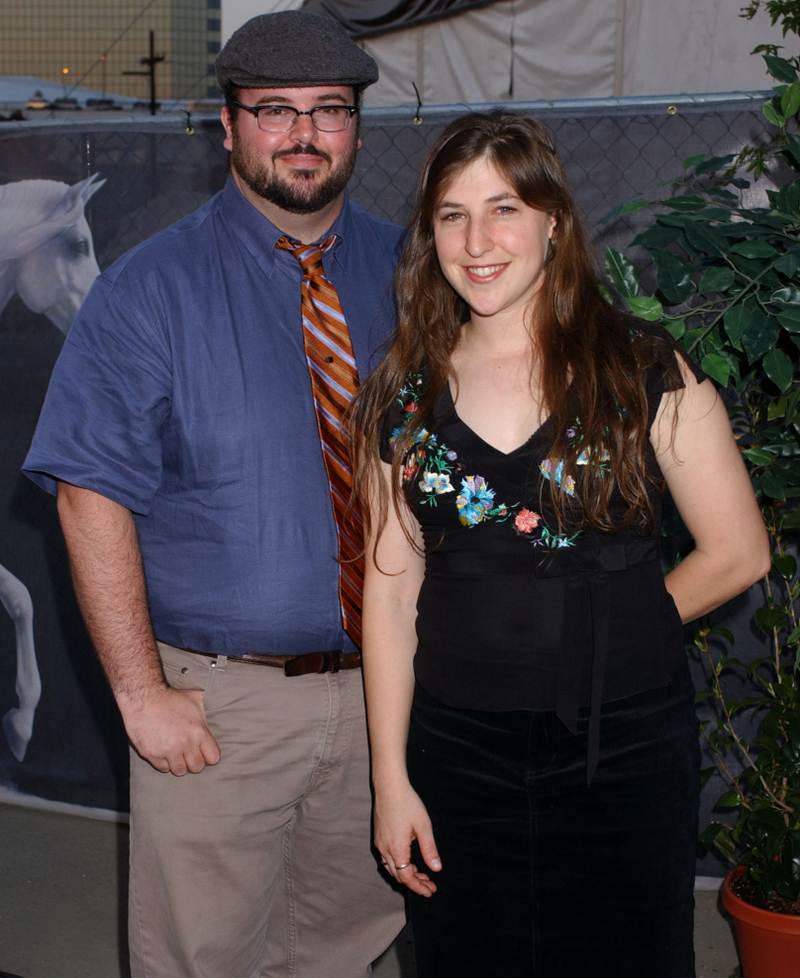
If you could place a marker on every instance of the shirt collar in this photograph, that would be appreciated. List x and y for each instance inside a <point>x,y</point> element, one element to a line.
<point>259,234</point>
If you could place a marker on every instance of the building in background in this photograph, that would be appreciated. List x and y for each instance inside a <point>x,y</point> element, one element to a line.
<point>92,43</point>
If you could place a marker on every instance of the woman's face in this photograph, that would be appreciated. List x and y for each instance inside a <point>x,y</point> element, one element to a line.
<point>491,246</point>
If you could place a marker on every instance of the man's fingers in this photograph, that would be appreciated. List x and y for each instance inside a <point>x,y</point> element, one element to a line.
<point>209,748</point>
<point>177,767</point>
<point>195,762</point>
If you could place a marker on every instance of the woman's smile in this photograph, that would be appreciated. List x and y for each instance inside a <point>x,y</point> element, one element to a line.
<point>484,273</point>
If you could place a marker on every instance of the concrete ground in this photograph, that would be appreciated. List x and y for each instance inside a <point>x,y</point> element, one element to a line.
<point>62,881</point>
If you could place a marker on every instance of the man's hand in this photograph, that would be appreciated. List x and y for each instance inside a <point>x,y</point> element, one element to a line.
<point>167,727</point>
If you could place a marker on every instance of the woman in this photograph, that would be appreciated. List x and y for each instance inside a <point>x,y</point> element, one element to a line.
<point>544,768</point>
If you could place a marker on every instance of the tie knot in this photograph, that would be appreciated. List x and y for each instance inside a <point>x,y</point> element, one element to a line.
<point>309,256</point>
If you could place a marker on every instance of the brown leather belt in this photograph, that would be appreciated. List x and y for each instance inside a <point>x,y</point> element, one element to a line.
<point>296,665</point>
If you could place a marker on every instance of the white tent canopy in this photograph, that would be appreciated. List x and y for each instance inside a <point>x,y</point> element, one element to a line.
<point>524,50</point>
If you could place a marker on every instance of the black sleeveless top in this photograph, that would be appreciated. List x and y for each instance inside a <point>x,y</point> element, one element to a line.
<point>513,614</point>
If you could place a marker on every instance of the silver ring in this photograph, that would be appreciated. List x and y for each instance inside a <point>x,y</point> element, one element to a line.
<point>404,866</point>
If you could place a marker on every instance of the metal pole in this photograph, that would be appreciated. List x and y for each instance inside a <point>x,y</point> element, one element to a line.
<point>151,61</point>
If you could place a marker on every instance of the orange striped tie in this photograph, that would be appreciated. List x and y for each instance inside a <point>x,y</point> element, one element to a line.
<point>334,379</point>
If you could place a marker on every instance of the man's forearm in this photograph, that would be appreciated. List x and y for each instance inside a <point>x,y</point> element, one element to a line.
<point>166,726</point>
<point>109,582</point>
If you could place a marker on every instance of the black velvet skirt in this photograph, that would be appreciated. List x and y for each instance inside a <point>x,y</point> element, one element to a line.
<point>544,877</point>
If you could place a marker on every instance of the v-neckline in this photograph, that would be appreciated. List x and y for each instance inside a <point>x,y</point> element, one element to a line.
<point>452,410</point>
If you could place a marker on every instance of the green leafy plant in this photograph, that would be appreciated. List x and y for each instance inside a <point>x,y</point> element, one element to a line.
<point>727,287</point>
<point>785,11</point>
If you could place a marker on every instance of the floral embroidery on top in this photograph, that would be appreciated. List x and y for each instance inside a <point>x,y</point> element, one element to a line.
<point>475,502</point>
<point>554,470</point>
<point>437,482</point>
<point>433,467</point>
<point>526,521</point>
<point>546,468</point>
<point>435,464</point>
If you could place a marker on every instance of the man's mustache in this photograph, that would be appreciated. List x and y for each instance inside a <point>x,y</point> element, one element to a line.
<point>308,150</point>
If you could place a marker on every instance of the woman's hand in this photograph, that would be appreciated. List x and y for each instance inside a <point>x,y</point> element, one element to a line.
<point>400,817</point>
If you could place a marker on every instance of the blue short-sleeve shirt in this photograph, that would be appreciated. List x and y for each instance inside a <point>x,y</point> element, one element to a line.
<point>183,393</point>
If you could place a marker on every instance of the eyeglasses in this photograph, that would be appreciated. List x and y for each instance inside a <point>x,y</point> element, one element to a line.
<point>281,118</point>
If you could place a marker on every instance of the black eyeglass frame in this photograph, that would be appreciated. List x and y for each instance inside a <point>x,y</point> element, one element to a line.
<point>255,111</point>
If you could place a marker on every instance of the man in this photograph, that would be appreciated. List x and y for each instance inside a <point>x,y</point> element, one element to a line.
<point>192,431</point>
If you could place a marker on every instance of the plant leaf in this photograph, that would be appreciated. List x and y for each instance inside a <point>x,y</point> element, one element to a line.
<point>767,619</point>
<point>793,145</point>
<point>790,100</point>
<point>716,279</point>
<point>790,319</point>
<point>760,336</point>
<point>727,634</point>
<point>675,327</point>
<point>673,276</point>
<point>736,321</point>
<point>758,456</point>
<point>773,487</point>
<point>706,774</point>
<point>717,368</point>
<point>772,115</point>
<point>685,202</point>
<point>753,249</point>
<point>778,367</point>
<point>632,204</point>
<point>780,68</point>
<point>708,836</point>
<point>690,161</point>
<point>730,799</point>
<point>788,263</point>
<point>713,164</point>
<point>622,273</point>
<point>657,236</point>
<point>789,295</point>
<point>776,409</point>
<point>646,307</point>
<point>785,565</point>
<point>706,239</point>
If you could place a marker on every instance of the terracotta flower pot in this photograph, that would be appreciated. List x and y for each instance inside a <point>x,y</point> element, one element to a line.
<point>769,943</point>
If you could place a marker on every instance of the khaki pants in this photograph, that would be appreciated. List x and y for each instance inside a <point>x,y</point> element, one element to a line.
<point>260,866</point>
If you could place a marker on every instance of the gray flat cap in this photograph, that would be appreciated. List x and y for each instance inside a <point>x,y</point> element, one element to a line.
<point>293,49</point>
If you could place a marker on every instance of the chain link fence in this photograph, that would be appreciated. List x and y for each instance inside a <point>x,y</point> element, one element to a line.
<point>157,171</point>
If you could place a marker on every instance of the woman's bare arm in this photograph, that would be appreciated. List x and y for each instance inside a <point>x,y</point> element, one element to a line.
<point>389,643</point>
<point>708,481</point>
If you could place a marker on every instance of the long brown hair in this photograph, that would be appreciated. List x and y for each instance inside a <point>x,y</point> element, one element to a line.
<point>590,357</point>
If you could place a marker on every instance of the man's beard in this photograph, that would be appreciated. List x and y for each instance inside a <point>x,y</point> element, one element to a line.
<point>300,193</point>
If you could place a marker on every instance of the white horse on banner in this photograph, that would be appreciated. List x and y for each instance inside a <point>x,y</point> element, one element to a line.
<point>46,249</point>
<point>18,722</point>
<point>47,258</point>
